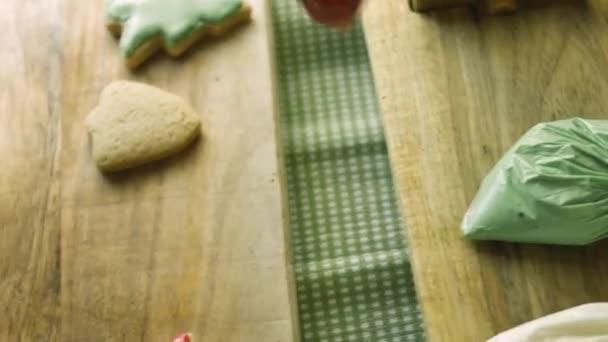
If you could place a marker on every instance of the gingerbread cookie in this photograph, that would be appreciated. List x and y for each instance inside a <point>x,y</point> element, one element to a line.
<point>135,123</point>
<point>145,26</point>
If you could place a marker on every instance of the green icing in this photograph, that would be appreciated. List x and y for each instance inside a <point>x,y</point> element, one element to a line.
<point>550,187</point>
<point>175,20</point>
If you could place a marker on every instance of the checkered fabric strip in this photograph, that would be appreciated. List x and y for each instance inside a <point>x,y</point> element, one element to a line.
<point>353,276</point>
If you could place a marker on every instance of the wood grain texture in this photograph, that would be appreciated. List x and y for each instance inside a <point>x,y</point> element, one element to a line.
<point>426,5</point>
<point>456,92</point>
<point>486,6</point>
<point>500,6</point>
<point>195,243</point>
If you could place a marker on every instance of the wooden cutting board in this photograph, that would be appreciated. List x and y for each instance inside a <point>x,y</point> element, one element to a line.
<point>196,243</point>
<point>456,91</point>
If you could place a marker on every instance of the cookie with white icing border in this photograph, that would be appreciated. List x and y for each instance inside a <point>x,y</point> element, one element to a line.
<point>146,26</point>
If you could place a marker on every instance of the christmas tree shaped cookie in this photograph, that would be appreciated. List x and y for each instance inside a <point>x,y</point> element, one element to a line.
<point>145,26</point>
<point>135,124</point>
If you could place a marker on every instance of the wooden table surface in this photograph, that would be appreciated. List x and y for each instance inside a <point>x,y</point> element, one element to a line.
<point>195,243</point>
<point>456,91</point>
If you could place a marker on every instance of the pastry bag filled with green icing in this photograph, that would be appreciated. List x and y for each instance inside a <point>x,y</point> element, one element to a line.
<point>551,187</point>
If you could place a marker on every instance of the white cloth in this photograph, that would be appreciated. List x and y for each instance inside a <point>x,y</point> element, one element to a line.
<point>584,323</point>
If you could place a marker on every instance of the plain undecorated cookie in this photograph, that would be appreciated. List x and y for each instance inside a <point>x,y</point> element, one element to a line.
<point>135,123</point>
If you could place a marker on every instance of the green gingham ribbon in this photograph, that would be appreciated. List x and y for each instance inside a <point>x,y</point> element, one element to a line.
<point>353,276</point>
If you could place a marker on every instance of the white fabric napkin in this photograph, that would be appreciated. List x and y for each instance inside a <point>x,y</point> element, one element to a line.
<point>584,323</point>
